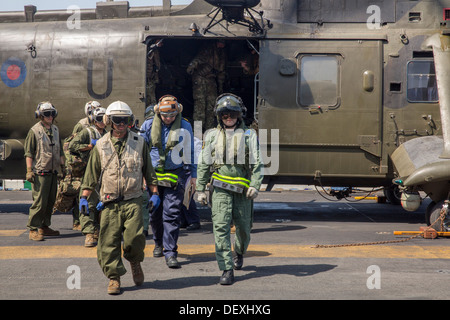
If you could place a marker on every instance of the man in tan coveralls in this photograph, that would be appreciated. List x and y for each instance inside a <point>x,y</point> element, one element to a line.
<point>44,158</point>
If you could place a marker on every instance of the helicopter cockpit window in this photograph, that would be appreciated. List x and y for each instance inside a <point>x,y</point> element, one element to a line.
<point>421,81</point>
<point>318,81</point>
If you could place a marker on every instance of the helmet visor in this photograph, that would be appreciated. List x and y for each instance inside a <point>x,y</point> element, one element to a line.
<point>229,103</point>
<point>49,113</point>
<point>227,114</point>
<point>120,119</point>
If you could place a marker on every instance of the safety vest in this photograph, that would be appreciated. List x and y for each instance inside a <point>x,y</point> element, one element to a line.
<point>121,174</point>
<point>47,158</point>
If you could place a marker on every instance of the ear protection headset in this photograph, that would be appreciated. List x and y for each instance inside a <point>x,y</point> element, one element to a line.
<point>44,106</point>
<point>168,104</point>
<point>106,120</point>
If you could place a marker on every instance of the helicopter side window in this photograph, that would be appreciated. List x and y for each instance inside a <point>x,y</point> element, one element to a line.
<point>421,81</point>
<point>318,81</point>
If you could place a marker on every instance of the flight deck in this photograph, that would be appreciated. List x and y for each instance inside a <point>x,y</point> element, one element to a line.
<point>361,258</point>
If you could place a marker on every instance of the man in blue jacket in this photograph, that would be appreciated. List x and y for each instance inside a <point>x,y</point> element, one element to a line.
<point>172,153</point>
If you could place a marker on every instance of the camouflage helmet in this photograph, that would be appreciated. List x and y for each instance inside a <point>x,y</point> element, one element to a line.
<point>229,102</point>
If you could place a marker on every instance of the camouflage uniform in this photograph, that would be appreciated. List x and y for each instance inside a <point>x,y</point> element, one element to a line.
<point>83,123</point>
<point>208,77</point>
<point>68,189</point>
<point>250,64</point>
<point>89,223</point>
<point>153,66</point>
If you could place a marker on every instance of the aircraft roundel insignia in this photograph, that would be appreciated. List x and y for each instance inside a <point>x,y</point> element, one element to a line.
<point>13,72</point>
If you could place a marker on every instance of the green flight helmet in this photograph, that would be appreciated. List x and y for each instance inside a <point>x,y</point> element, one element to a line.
<point>229,102</point>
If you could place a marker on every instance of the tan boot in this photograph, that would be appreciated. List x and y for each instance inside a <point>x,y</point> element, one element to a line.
<point>46,231</point>
<point>138,274</point>
<point>96,234</point>
<point>114,286</point>
<point>76,227</point>
<point>36,236</point>
<point>89,241</point>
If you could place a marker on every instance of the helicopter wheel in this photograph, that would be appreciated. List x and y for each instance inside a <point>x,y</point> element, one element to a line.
<point>435,221</point>
<point>392,194</point>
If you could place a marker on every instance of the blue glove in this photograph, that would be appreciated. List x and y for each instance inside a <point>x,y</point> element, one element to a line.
<point>93,141</point>
<point>100,206</point>
<point>153,203</point>
<point>84,206</point>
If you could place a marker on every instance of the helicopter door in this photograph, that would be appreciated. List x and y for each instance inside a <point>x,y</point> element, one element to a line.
<point>325,99</point>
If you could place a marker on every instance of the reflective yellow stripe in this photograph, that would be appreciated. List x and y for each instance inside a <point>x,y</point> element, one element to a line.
<point>167,176</point>
<point>232,180</point>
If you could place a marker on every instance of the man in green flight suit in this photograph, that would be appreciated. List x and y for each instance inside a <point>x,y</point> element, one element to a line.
<point>118,164</point>
<point>231,160</point>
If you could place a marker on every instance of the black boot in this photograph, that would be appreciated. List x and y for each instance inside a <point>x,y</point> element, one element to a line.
<point>238,261</point>
<point>227,277</point>
<point>173,263</point>
<point>158,251</point>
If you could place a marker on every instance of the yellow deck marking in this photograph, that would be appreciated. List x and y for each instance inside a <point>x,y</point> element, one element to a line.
<point>256,250</point>
<point>11,233</point>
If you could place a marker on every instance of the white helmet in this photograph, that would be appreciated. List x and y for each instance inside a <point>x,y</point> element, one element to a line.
<point>97,114</point>
<point>90,106</point>
<point>118,109</point>
<point>45,106</point>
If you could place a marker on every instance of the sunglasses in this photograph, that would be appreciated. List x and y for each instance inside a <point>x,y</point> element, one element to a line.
<point>168,115</point>
<point>99,119</point>
<point>118,120</point>
<point>48,114</point>
<point>232,115</point>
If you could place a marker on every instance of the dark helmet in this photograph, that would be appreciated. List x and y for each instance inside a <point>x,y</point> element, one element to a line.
<point>229,102</point>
